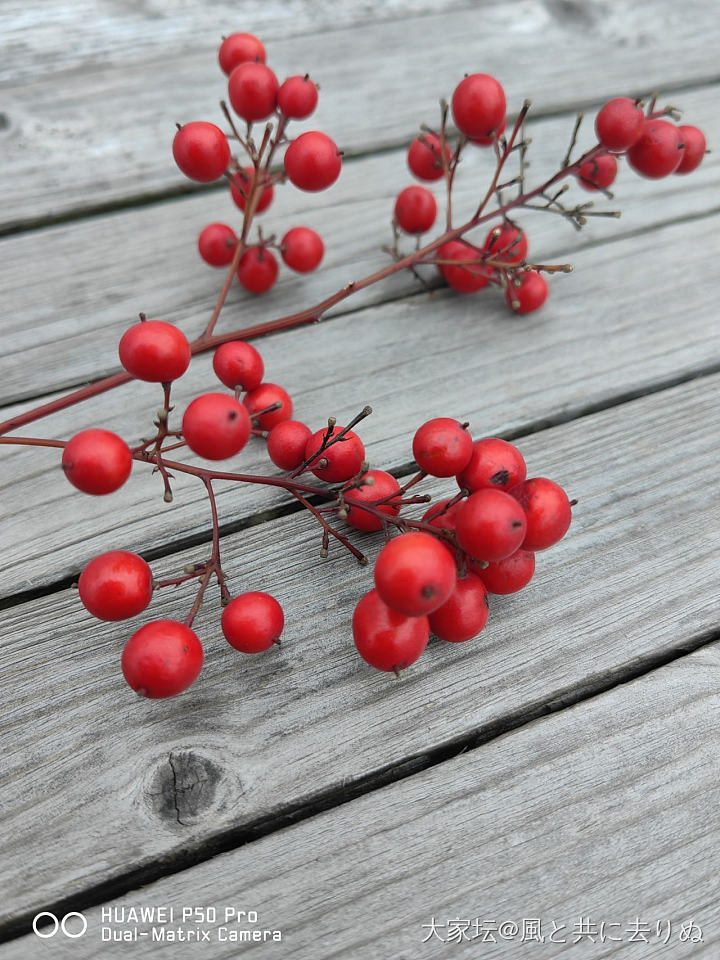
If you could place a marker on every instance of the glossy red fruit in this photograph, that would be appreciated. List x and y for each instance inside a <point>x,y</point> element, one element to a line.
<point>216,426</point>
<point>619,124</point>
<point>257,270</point>
<point>414,574</point>
<point>490,525</point>
<point>252,90</point>
<point>494,463</point>
<point>527,293</point>
<point>491,139</point>
<point>264,396</point>
<point>465,612</point>
<point>162,659</point>
<point>415,209</point>
<point>547,510</point>
<point>297,97</point>
<point>509,575</point>
<point>216,244</point>
<point>442,447</point>
<point>463,279</point>
<point>201,151</point>
<point>313,161</point>
<point>116,585</point>
<point>155,351</point>
<point>241,185</point>
<point>598,173</point>
<point>239,48</point>
<point>339,462</point>
<point>478,106</point>
<point>425,157</point>
<point>658,152</point>
<point>383,485</point>
<point>507,243</point>
<point>302,249</point>
<point>252,622</point>
<point>238,365</point>
<point>286,444</point>
<point>693,149</point>
<point>386,639</point>
<point>97,461</point>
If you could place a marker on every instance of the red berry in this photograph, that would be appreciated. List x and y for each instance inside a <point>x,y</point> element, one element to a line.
<point>492,138</point>
<point>547,511</point>
<point>527,293</point>
<point>414,574</point>
<point>598,173</point>
<point>508,575</point>
<point>619,124</point>
<point>386,639</point>
<point>490,525</point>
<point>162,659</point>
<point>201,151</point>
<point>252,89</point>
<point>97,461</point>
<point>507,243</point>
<point>302,249</point>
<point>286,444</point>
<point>257,270</point>
<point>216,244</point>
<point>383,485</point>
<point>465,612</point>
<point>415,209</point>
<point>341,461</point>
<point>116,585</point>
<point>463,279</point>
<point>216,426</point>
<point>313,161</point>
<point>238,365</point>
<point>155,351</point>
<point>693,149</point>
<point>478,105</point>
<point>264,396</point>
<point>239,48</point>
<point>658,152</point>
<point>425,157</point>
<point>442,516</point>
<point>241,184</point>
<point>442,447</point>
<point>297,97</point>
<point>253,622</point>
<point>494,463</point>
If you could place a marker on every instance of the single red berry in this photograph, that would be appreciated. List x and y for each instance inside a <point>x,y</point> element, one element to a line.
<point>162,659</point>
<point>490,525</point>
<point>386,639</point>
<point>341,461</point>
<point>509,575</point>
<point>425,157</point>
<point>507,243</point>
<point>116,585</point>
<point>414,574</point>
<point>252,89</point>
<point>297,97</point>
<point>238,365</point>
<point>465,612</point>
<point>441,515</point>
<point>442,447</point>
<point>658,152</point>
<point>216,244</point>
<point>97,461</point>
<point>257,270</point>
<point>264,396</point>
<point>694,147</point>
<point>491,139</point>
<point>415,209</point>
<point>252,622</point>
<point>619,124</point>
<point>216,426</point>
<point>286,444</point>
<point>313,161</point>
<point>241,184</point>
<point>478,105</point>
<point>527,293</point>
<point>547,511</point>
<point>381,486</point>
<point>463,279</point>
<point>201,151</point>
<point>155,351</point>
<point>239,48</point>
<point>598,173</point>
<point>494,463</point>
<point>302,249</point>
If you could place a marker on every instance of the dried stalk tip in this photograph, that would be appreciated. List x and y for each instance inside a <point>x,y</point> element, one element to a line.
<point>168,497</point>
<point>190,568</point>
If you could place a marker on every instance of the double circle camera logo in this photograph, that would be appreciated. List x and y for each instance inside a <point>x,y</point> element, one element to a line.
<point>73,925</point>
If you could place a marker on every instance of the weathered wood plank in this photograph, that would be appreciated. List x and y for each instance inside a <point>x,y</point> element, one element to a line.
<point>634,580</point>
<point>97,137</point>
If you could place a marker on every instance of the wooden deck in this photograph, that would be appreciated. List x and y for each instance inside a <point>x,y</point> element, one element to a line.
<point>563,767</point>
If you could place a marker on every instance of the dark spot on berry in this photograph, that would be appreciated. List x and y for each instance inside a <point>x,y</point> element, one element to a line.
<point>232,415</point>
<point>185,648</point>
<point>501,477</point>
<point>428,592</point>
<point>516,523</point>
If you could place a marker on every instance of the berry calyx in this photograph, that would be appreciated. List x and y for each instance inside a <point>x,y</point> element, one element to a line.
<point>97,461</point>
<point>659,150</point>
<point>463,279</point>
<point>201,151</point>
<point>216,426</point>
<point>154,351</point>
<point>253,89</point>
<point>257,270</point>
<point>253,622</point>
<point>162,659</point>
<point>302,249</point>
<point>694,147</point>
<point>527,292</point>
<point>216,244</point>
<point>313,161</point>
<point>264,396</point>
<point>547,511</point>
<point>239,48</point>
<point>507,243</point>
<point>425,157</point>
<point>297,97</point>
<point>619,124</point>
<point>442,447</point>
<point>386,639</point>
<point>494,463</point>
<point>414,574</point>
<point>415,209</point>
<point>286,444</point>
<point>381,486</point>
<point>241,184</point>
<point>116,585</point>
<point>490,525</point>
<point>238,365</point>
<point>598,173</point>
<point>464,614</point>
<point>478,106</point>
<point>509,575</point>
<point>341,460</point>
